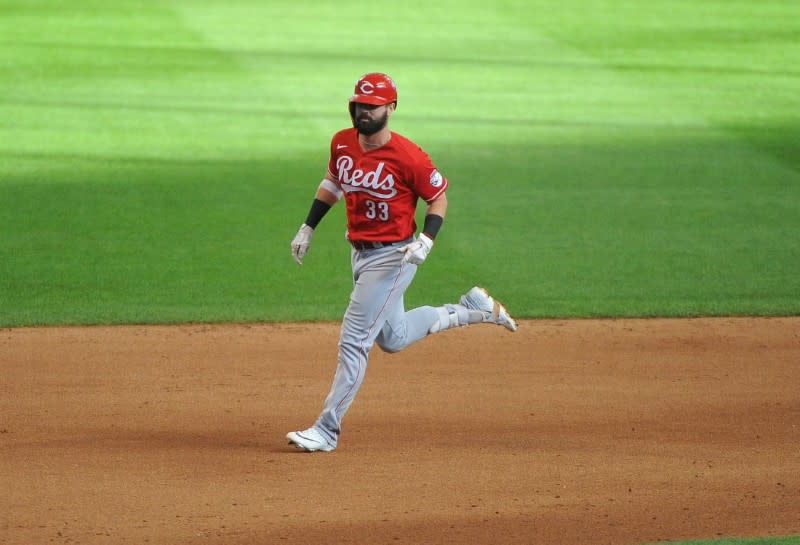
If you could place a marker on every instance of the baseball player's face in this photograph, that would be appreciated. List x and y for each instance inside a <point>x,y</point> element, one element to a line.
<point>370,118</point>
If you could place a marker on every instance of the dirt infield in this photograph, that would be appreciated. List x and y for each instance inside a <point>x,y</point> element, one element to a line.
<point>568,432</point>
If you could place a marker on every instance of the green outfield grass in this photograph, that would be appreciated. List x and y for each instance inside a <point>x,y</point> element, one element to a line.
<point>612,158</point>
<point>752,541</point>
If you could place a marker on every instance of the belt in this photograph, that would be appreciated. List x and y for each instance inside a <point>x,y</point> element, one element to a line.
<point>361,245</point>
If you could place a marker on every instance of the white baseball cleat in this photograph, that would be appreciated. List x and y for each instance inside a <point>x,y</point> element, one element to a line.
<point>479,299</point>
<point>310,440</point>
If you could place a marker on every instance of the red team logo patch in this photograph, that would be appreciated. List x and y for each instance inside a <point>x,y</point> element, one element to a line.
<point>366,88</point>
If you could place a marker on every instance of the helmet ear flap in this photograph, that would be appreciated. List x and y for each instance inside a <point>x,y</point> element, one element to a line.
<point>352,108</point>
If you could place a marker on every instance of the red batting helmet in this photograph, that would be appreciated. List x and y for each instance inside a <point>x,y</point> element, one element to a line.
<point>374,88</point>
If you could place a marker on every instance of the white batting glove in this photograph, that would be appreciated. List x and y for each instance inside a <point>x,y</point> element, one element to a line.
<point>301,242</point>
<point>417,251</point>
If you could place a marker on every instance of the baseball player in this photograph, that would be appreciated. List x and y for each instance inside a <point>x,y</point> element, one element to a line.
<point>381,175</point>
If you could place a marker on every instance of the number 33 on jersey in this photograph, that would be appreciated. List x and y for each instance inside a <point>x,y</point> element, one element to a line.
<point>382,186</point>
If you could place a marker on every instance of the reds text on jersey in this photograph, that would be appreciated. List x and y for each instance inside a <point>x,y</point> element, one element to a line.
<point>382,186</point>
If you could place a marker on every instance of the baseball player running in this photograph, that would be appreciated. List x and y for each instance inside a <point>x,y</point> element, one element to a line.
<point>381,175</point>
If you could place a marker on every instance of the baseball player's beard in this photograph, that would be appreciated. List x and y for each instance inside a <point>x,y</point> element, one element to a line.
<point>369,127</point>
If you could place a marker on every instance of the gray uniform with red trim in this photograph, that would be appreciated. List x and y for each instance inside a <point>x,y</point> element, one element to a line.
<point>381,188</point>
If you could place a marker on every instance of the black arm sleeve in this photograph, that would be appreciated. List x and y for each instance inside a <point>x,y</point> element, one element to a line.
<point>433,223</point>
<point>318,210</point>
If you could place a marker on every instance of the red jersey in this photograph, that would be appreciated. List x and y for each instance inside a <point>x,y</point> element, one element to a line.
<point>381,186</point>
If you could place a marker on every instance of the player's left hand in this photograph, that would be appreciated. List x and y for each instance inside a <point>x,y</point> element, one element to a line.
<point>416,252</point>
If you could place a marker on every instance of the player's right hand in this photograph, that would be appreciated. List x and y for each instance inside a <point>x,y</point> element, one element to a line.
<point>301,242</point>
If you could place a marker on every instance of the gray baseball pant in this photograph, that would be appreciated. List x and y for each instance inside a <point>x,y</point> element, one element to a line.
<point>375,314</point>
